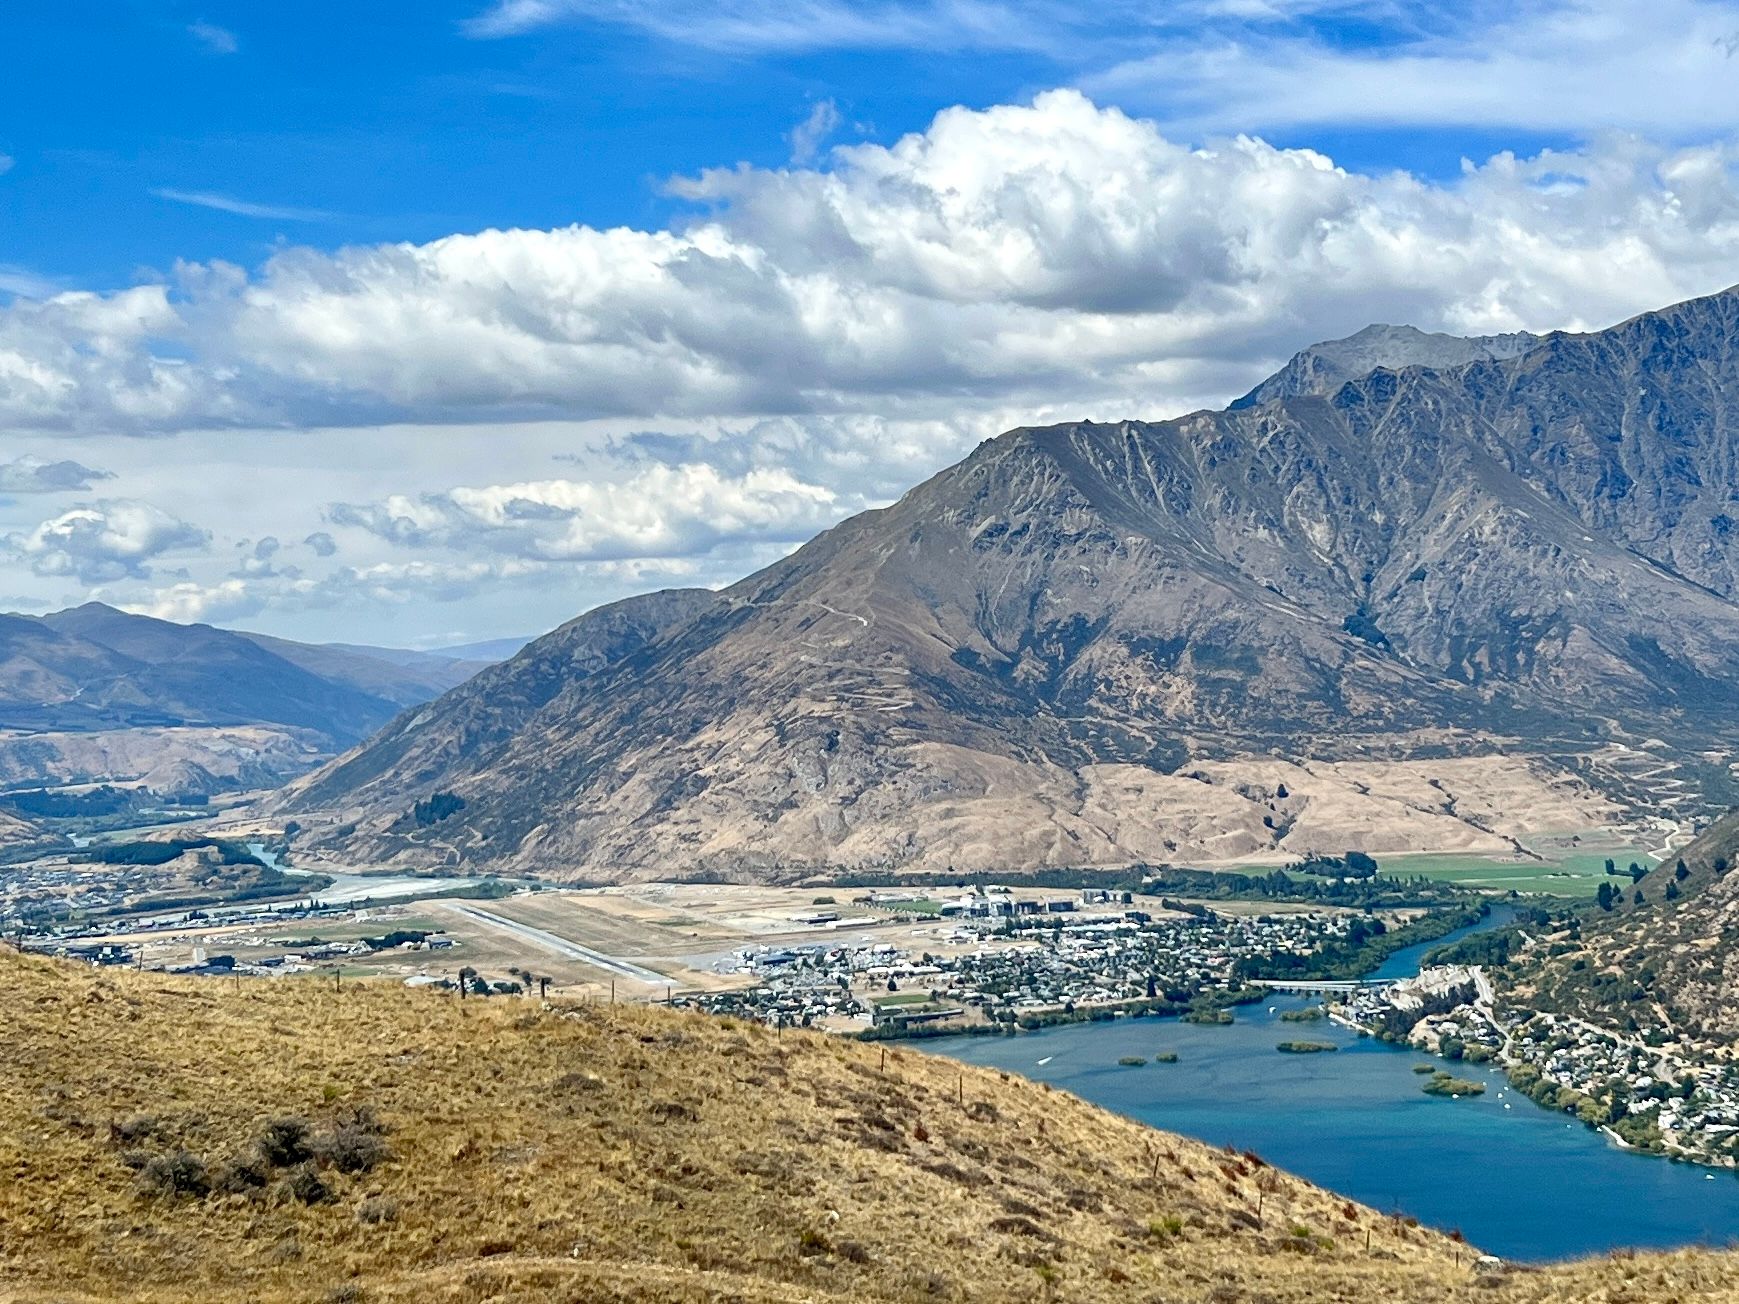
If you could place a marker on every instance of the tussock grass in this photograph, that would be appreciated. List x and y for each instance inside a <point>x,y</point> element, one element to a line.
<point>380,1144</point>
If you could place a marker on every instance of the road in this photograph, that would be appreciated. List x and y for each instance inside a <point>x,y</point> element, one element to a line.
<point>558,945</point>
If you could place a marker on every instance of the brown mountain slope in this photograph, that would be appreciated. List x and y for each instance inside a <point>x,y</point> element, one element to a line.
<point>498,1150</point>
<point>19,838</point>
<point>1025,661</point>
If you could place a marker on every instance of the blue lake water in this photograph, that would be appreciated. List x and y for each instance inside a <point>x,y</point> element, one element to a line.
<point>1520,1182</point>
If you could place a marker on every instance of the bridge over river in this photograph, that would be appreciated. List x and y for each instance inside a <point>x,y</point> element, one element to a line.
<point>1348,985</point>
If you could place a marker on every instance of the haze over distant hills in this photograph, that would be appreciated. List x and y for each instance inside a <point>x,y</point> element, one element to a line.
<point>488,651</point>
<point>92,692</point>
<point>1040,655</point>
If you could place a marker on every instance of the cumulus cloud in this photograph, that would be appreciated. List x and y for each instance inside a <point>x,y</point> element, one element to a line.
<point>190,603</point>
<point>104,541</point>
<point>320,543</point>
<point>1021,254</point>
<point>37,475</point>
<point>658,512</point>
<point>90,361</point>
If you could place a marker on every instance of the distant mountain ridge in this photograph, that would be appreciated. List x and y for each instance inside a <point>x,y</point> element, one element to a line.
<point>1028,659</point>
<point>91,681</point>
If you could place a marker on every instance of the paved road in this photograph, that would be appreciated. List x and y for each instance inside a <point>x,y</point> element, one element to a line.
<point>559,945</point>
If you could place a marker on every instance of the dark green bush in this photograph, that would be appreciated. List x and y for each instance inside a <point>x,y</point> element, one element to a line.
<point>178,1173</point>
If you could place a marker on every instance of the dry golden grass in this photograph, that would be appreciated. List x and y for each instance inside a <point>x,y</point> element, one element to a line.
<point>635,1155</point>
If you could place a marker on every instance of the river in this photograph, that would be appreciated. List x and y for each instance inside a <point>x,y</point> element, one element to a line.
<point>353,889</point>
<point>1519,1181</point>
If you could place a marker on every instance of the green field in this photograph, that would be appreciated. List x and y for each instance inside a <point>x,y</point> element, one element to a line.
<point>1564,873</point>
<point>1572,874</point>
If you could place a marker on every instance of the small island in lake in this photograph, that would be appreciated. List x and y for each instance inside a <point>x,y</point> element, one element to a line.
<point>1166,1057</point>
<point>1132,1061</point>
<point>1442,1084</point>
<point>1209,1015</point>
<point>1310,1014</point>
<point>1305,1047</point>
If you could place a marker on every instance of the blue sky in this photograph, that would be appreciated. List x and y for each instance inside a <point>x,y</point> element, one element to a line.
<point>329,123</point>
<point>480,313</point>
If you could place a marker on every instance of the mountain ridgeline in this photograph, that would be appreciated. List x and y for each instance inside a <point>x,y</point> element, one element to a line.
<point>92,693</point>
<point>1036,657</point>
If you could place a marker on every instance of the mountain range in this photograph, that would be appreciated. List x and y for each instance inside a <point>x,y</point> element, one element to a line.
<point>93,692</point>
<point>1041,655</point>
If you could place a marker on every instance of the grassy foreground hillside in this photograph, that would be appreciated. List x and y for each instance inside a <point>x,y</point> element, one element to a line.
<point>173,1140</point>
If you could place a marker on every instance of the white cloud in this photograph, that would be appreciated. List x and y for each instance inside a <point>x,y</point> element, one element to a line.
<point>808,136</point>
<point>85,360</point>
<point>219,40</point>
<point>26,284</point>
<point>1012,257</point>
<point>1577,66</point>
<point>104,541</point>
<point>36,475</point>
<point>1664,67</point>
<point>190,603</point>
<point>658,512</point>
<point>745,26</point>
<point>239,207</point>
<point>383,584</point>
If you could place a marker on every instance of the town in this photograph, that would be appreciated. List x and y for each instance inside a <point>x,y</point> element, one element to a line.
<point>1002,965</point>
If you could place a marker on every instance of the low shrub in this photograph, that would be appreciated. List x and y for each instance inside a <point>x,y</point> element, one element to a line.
<point>285,1142</point>
<point>305,1185</point>
<point>180,1173</point>
<point>350,1148</point>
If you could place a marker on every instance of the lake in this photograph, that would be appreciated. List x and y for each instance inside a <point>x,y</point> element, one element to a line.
<point>1519,1181</point>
